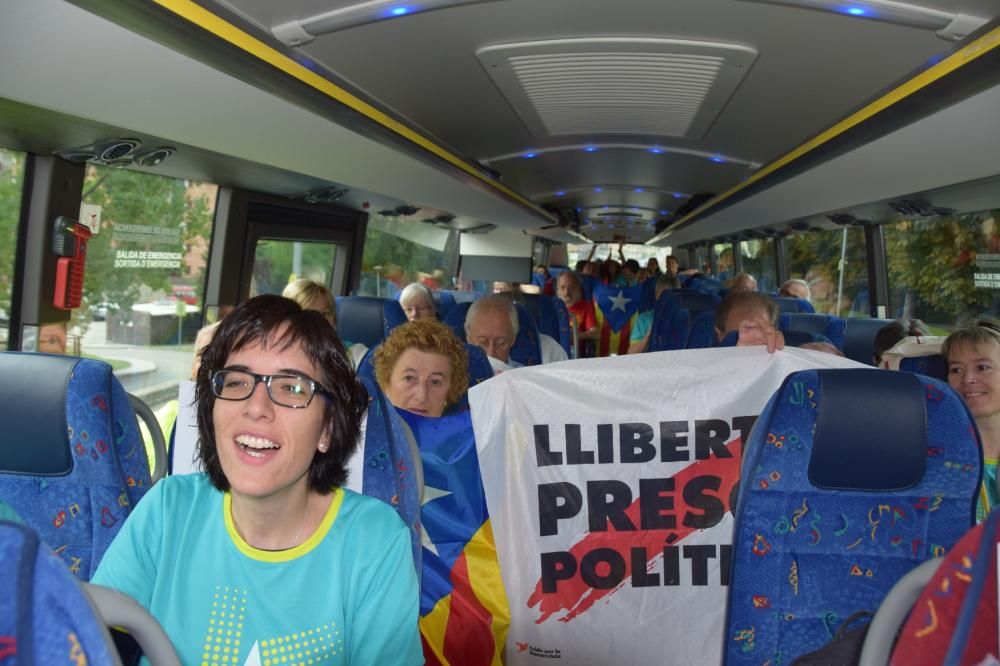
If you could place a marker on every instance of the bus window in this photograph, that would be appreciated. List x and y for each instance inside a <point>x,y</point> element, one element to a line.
<point>145,275</point>
<point>398,252</point>
<point>944,270</point>
<point>278,262</point>
<point>833,263</point>
<point>11,186</point>
<point>758,261</point>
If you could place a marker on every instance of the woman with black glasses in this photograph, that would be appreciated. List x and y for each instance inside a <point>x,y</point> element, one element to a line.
<point>265,557</point>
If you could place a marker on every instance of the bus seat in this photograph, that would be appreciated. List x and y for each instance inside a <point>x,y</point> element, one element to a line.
<point>859,338</point>
<point>705,285</point>
<point>444,301</point>
<point>545,311</point>
<point>527,348</point>
<point>455,319</point>
<point>850,478</point>
<point>670,331</point>
<point>648,298</point>
<point>702,333</point>
<point>920,354</point>
<point>46,617</point>
<point>565,337</point>
<point>827,325</point>
<point>934,365</point>
<point>392,469</point>
<point>367,319</point>
<point>72,462</point>
<point>792,338</point>
<point>789,304</point>
<point>588,283</point>
<point>462,296</point>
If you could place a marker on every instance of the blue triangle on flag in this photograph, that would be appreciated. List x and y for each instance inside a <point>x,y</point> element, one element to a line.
<point>617,304</point>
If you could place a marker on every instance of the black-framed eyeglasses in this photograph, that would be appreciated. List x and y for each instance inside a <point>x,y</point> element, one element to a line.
<point>294,391</point>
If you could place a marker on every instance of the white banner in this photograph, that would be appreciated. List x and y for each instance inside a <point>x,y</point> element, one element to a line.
<point>608,483</point>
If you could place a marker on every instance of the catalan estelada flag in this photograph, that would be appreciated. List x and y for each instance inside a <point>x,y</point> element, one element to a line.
<point>616,309</point>
<point>463,608</point>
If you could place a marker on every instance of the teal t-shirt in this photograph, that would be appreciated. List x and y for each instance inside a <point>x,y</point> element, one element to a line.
<point>640,329</point>
<point>347,595</point>
<point>988,495</point>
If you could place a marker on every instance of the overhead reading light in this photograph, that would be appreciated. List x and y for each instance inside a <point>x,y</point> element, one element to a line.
<point>947,25</point>
<point>302,31</point>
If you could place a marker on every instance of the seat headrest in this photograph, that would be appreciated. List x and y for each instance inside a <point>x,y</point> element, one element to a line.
<point>871,431</point>
<point>34,437</point>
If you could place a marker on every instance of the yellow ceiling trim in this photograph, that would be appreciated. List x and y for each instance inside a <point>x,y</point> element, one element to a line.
<point>226,31</point>
<point>967,54</point>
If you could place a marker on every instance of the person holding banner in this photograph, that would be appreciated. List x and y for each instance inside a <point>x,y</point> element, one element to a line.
<point>754,315</point>
<point>267,542</point>
<point>422,367</point>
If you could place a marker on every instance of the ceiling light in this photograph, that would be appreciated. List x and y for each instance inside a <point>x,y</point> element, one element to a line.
<point>303,30</point>
<point>947,25</point>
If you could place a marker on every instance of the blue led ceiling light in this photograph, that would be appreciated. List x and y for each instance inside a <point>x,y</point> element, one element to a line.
<point>639,190</point>
<point>590,149</point>
<point>530,155</point>
<point>399,11</point>
<point>656,151</point>
<point>664,212</point>
<point>718,159</point>
<point>560,194</point>
<point>677,195</point>
<point>856,11</point>
<point>598,189</point>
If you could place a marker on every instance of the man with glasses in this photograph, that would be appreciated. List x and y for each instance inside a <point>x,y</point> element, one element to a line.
<point>492,324</point>
<point>269,528</point>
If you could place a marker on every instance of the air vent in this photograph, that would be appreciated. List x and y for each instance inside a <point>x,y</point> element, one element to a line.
<point>115,149</point>
<point>648,86</point>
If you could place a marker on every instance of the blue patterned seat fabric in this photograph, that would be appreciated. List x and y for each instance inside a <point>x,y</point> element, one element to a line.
<point>849,479</point>
<point>934,365</point>
<point>548,317</point>
<point>72,461</point>
<point>390,471</point>
<point>45,617</point>
<point>826,325</point>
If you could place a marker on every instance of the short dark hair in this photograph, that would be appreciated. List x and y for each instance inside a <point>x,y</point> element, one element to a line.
<point>893,332</point>
<point>745,300</point>
<point>260,319</point>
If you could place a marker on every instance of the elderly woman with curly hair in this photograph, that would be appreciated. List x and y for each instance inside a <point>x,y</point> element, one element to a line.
<point>422,367</point>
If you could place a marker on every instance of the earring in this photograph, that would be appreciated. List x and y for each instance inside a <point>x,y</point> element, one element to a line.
<point>323,448</point>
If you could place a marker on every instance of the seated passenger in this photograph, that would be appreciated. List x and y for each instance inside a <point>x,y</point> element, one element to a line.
<point>973,355</point>
<point>653,266</point>
<point>570,291</point>
<point>673,265</point>
<point>754,315</point>
<point>417,302</point>
<point>422,367</point>
<point>890,334</point>
<point>268,529</point>
<point>795,288</point>
<point>492,324</point>
<point>639,337</point>
<point>312,295</point>
<point>742,282</point>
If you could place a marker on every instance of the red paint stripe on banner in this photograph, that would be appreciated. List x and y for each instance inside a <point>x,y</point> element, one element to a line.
<point>468,638</point>
<point>575,596</point>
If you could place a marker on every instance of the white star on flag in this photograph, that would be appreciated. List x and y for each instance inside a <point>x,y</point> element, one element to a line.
<point>430,494</point>
<point>619,301</point>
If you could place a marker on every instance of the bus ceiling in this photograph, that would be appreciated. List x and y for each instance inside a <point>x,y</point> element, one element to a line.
<point>607,127</point>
